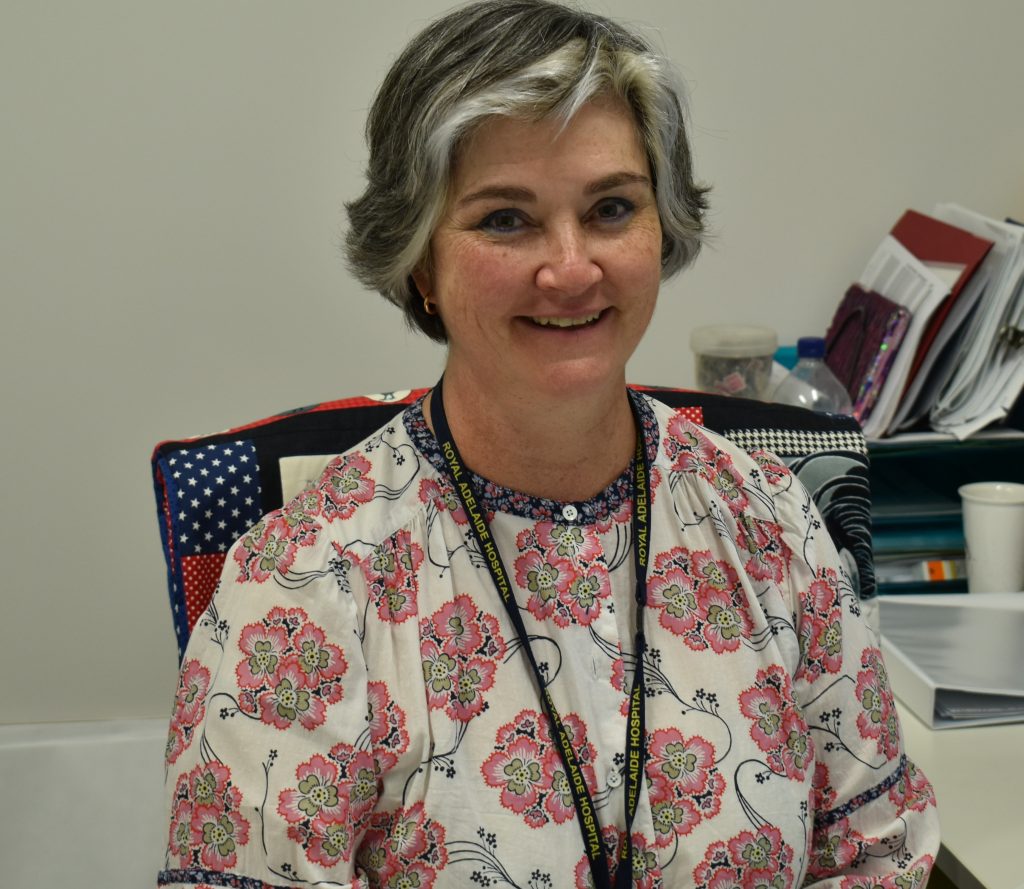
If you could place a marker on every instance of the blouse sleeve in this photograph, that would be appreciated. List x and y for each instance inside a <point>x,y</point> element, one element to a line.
<point>875,822</point>
<point>270,767</point>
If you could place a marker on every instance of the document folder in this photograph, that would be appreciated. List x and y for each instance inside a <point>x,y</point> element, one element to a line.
<point>955,665</point>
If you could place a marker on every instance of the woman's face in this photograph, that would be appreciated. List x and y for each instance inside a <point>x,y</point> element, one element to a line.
<point>546,266</point>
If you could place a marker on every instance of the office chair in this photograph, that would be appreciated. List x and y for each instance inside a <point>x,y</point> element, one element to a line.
<point>210,489</point>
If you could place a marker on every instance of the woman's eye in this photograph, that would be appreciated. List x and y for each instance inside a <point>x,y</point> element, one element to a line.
<point>613,210</point>
<point>502,221</point>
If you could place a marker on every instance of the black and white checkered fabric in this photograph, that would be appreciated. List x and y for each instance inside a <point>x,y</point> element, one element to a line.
<point>788,443</point>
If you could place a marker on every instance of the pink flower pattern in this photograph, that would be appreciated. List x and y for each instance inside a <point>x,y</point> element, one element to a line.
<point>821,631</point>
<point>289,672</point>
<point>527,769</point>
<point>833,849</point>
<point>346,485</point>
<point>691,451</point>
<point>189,708</point>
<point>269,547</point>
<point>561,567</point>
<point>772,468</point>
<point>823,793</point>
<point>877,717</point>
<point>404,848</point>
<point>767,551</point>
<point>207,826</point>
<point>329,809</point>
<point>777,725</point>
<point>392,574</point>
<point>443,498</point>
<point>685,785</point>
<point>912,791</point>
<point>699,598</point>
<point>647,872</point>
<point>460,651</point>
<point>752,858</point>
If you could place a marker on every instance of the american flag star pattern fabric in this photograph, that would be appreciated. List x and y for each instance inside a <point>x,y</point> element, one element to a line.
<point>212,496</point>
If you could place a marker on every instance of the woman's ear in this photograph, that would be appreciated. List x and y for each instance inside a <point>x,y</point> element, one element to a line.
<point>421,278</point>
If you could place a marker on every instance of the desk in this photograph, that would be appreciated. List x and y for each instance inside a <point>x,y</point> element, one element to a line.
<point>978,776</point>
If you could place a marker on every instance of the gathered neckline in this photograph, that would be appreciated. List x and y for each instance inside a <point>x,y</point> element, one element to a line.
<point>499,499</point>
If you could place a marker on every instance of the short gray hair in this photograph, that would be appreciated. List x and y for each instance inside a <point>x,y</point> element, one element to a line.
<point>519,58</point>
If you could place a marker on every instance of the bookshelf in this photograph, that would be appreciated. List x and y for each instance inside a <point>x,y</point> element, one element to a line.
<point>916,514</point>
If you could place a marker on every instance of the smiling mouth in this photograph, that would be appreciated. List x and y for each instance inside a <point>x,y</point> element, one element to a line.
<point>565,323</point>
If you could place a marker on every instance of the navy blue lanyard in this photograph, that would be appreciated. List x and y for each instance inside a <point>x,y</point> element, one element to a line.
<point>586,814</point>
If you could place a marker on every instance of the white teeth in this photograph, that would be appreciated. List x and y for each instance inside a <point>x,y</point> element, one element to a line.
<point>566,322</point>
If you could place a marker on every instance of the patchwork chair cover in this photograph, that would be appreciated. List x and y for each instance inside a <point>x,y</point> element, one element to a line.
<point>210,489</point>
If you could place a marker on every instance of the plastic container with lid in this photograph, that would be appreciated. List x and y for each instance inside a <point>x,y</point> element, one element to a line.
<point>810,383</point>
<point>734,359</point>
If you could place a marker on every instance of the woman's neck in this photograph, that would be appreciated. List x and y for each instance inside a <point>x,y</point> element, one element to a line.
<point>557,448</point>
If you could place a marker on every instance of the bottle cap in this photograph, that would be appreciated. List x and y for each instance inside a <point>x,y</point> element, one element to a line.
<point>810,347</point>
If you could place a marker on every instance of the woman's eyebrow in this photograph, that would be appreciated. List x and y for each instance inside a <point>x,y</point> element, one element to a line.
<point>616,180</point>
<point>500,192</point>
<point>519,194</point>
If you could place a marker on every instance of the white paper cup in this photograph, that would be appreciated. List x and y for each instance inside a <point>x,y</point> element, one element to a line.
<point>994,536</point>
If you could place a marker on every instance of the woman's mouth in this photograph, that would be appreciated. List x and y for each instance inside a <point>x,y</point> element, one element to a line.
<point>565,323</point>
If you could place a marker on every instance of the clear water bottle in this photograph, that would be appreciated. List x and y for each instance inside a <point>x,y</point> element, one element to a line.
<point>811,384</point>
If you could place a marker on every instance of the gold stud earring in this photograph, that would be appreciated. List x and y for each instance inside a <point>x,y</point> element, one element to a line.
<point>428,306</point>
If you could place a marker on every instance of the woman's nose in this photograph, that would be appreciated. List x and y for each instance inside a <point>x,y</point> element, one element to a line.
<point>568,265</point>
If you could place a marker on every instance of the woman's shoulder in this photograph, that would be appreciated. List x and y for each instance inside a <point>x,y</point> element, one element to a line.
<point>681,432</point>
<point>360,499</point>
<point>710,460</point>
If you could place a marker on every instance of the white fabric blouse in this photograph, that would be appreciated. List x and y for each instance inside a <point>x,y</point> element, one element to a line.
<point>355,708</point>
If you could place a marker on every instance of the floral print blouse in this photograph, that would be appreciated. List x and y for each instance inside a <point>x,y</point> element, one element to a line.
<point>356,710</point>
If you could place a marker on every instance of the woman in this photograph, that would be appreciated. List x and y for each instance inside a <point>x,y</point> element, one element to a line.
<point>424,670</point>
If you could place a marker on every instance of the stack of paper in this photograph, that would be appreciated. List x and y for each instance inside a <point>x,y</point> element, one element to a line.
<point>932,268</point>
<point>956,665</point>
<point>960,366</point>
<point>956,255</point>
<point>988,365</point>
<point>897,274</point>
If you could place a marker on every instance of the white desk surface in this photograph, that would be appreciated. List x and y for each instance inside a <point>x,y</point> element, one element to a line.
<point>978,776</point>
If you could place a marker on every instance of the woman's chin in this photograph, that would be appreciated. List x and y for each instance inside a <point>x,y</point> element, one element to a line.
<point>574,360</point>
<point>566,378</point>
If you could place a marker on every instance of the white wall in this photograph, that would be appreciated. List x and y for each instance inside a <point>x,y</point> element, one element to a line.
<point>171,187</point>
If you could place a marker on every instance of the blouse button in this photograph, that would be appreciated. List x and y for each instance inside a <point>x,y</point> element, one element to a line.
<point>614,778</point>
<point>570,512</point>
